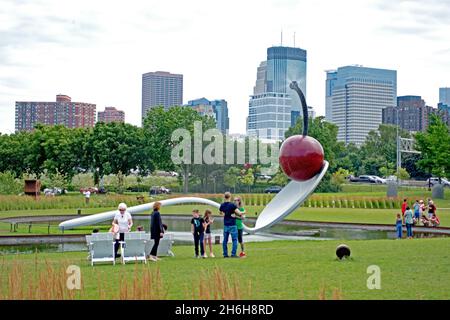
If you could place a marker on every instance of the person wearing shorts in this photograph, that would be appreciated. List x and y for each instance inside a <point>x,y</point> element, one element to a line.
<point>240,225</point>
<point>208,220</point>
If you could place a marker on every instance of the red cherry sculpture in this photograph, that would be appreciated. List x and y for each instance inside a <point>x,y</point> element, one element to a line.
<point>301,157</point>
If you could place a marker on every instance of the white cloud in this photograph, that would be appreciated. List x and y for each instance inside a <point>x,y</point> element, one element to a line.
<point>96,51</point>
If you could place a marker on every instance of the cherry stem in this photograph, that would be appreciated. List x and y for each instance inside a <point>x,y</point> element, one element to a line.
<point>294,86</point>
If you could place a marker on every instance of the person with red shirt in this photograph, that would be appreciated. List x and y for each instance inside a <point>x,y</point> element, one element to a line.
<point>404,205</point>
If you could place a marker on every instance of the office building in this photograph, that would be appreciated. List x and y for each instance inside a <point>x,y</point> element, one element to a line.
<point>60,112</point>
<point>273,103</point>
<point>161,89</point>
<point>444,96</point>
<point>269,115</point>
<point>111,114</point>
<point>218,109</point>
<point>357,96</point>
<point>411,113</point>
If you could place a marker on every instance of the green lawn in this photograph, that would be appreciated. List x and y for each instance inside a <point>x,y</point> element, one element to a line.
<point>410,269</point>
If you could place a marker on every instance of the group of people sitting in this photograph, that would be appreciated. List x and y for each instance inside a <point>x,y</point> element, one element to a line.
<point>233,213</point>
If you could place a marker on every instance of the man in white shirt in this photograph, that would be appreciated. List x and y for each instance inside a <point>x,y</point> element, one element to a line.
<point>87,196</point>
<point>125,222</point>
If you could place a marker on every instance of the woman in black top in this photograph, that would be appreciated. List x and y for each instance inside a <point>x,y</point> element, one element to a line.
<point>208,237</point>
<point>156,230</point>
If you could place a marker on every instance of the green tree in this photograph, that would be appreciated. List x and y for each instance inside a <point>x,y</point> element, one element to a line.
<point>434,145</point>
<point>279,179</point>
<point>247,178</point>
<point>115,148</point>
<point>380,149</point>
<point>159,125</point>
<point>231,177</point>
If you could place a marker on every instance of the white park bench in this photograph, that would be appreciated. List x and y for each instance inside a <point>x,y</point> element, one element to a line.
<point>101,247</point>
<point>133,248</point>
<point>164,248</point>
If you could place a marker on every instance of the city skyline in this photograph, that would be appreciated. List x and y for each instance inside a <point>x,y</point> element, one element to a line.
<point>103,52</point>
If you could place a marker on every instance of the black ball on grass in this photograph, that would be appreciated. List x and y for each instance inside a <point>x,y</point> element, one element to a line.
<point>342,251</point>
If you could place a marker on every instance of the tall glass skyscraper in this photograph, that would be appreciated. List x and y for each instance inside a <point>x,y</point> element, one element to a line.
<point>273,103</point>
<point>444,96</point>
<point>284,65</point>
<point>356,97</point>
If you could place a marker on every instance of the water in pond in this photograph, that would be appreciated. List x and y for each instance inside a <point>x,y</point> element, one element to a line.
<point>180,227</point>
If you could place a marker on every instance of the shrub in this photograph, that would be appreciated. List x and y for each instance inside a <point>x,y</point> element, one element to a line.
<point>9,184</point>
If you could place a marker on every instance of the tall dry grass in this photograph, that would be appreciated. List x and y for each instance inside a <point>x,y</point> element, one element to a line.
<point>46,281</point>
<point>218,285</point>
<point>49,283</point>
<point>146,284</point>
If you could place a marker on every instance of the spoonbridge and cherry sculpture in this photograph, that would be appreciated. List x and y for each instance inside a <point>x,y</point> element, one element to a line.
<point>302,160</point>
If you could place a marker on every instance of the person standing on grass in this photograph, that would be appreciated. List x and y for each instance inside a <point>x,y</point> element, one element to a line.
<point>229,210</point>
<point>208,221</point>
<point>431,209</point>
<point>409,221</point>
<point>404,205</point>
<point>399,226</point>
<point>87,196</point>
<point>197,230</point>
<point>240,225</point>
<point>416,211</point>
<point>125,222</point>
<point>156,230</point>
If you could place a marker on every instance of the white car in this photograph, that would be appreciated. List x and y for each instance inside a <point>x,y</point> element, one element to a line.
<point>379,180</point>
<point>435,180</point>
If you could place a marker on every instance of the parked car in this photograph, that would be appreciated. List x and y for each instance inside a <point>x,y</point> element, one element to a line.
<point>159,190</point>
<point>273,189</point>
<point>90,189</point>
<point>379,180</point>
<point>435,180</point>
<point>363,179</point>
<point>53,191</point>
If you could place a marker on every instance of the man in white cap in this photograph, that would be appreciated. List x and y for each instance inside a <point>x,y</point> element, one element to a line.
<point>125,222</point>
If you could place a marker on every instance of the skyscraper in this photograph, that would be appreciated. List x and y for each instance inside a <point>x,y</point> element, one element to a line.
<point>111,114</point>
<point>411,113</point>
<point>273,103</point>
<point>284,65</point>
<point>161,89</point>
<point>444,96</point>
<point>216,108</point>
<point>357,97</point>
<point>62,112</point>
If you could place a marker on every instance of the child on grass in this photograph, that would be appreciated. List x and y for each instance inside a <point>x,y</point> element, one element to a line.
<point>208,220</point>
<point>399,226</point>
<point>197,229</point>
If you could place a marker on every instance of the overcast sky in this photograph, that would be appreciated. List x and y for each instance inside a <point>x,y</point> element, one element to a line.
<point>96,51</point>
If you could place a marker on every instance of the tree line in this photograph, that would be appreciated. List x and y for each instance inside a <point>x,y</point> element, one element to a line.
<point>120,149</point>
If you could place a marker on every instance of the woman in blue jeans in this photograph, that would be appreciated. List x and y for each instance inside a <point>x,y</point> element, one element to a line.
<point>409,221</point>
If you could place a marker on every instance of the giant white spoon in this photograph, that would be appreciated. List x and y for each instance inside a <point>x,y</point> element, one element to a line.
<point>284,203</point>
